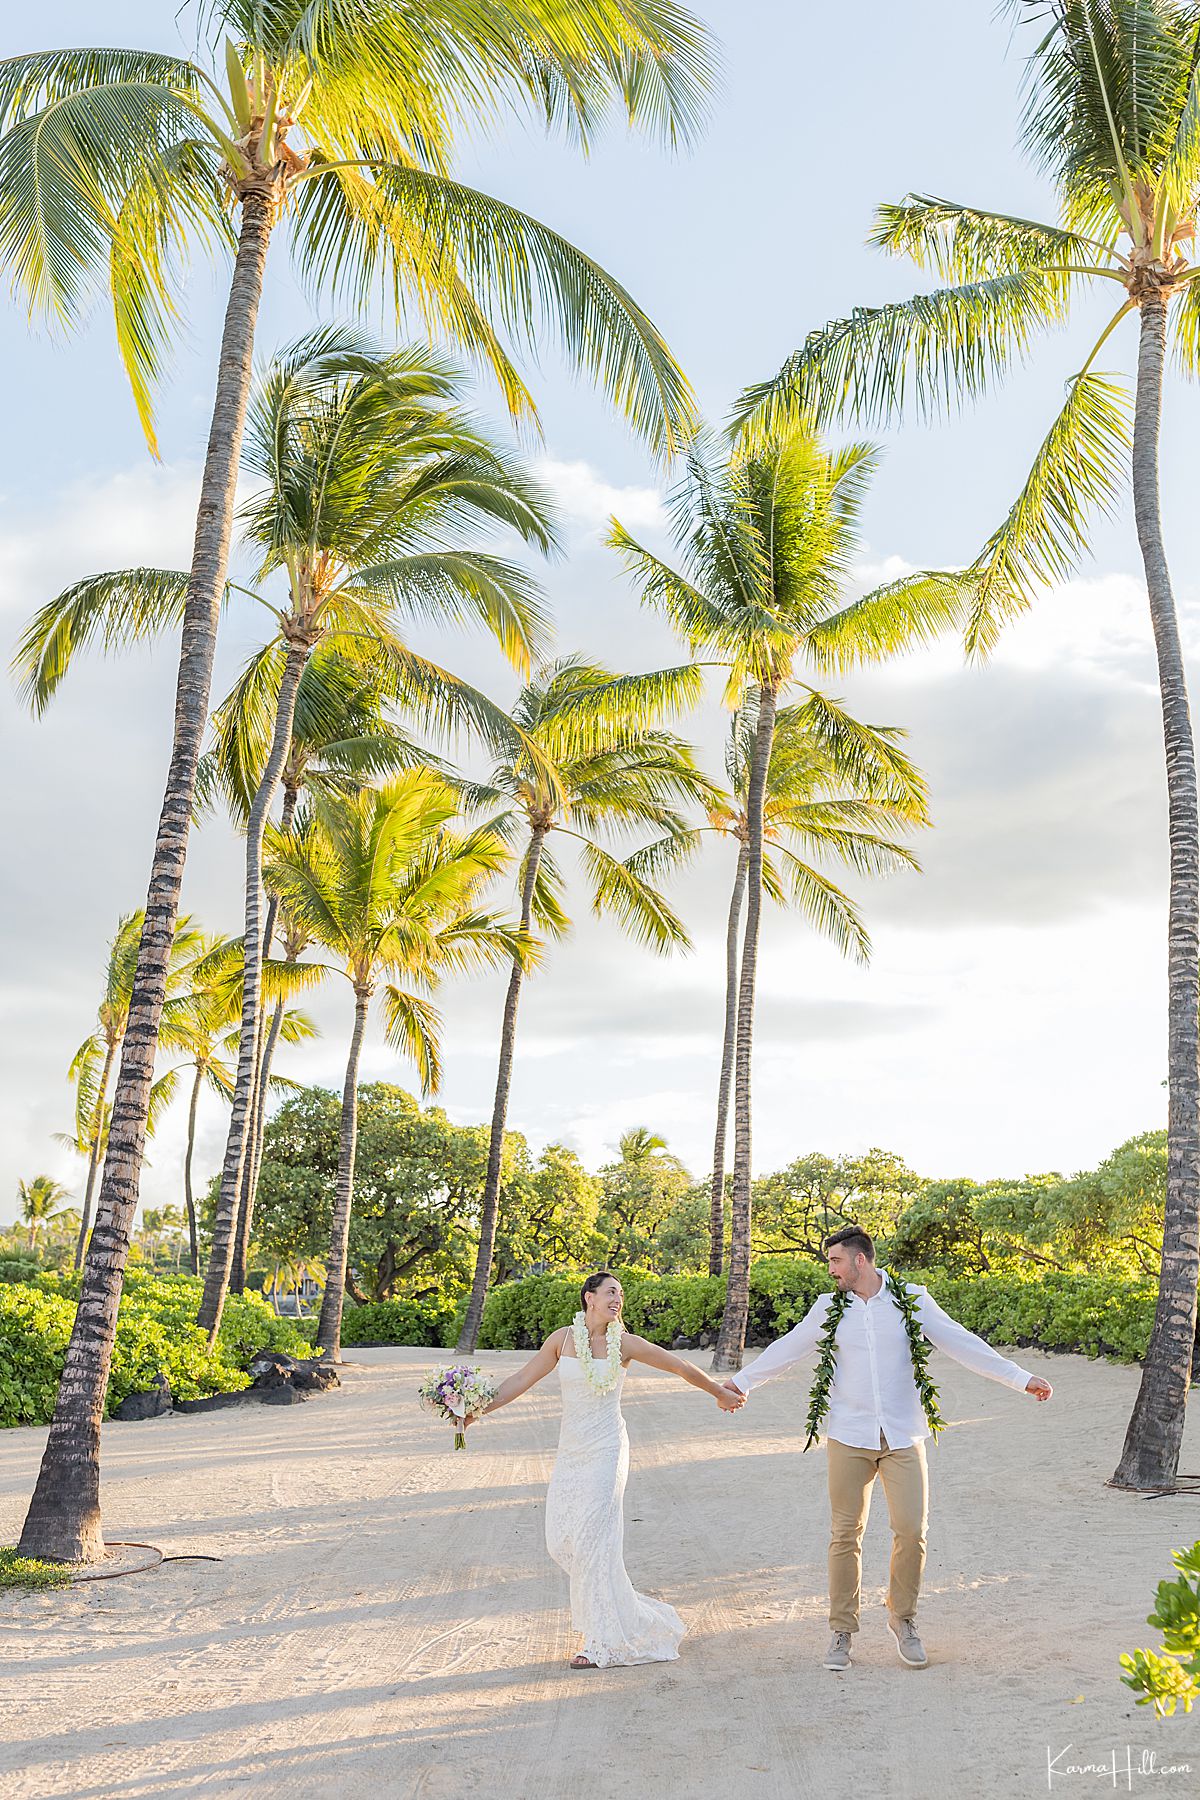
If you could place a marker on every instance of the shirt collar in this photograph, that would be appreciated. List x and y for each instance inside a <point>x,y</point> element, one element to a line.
<point>882,1273</point>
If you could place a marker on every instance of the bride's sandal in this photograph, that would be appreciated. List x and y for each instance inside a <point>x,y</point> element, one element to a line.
<point>581,1662</point>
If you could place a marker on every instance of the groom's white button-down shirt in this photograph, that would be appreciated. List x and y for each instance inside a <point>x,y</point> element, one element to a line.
<point>873,1386</point>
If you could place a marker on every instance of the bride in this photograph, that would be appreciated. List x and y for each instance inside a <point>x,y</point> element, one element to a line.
<point>584,1519</point>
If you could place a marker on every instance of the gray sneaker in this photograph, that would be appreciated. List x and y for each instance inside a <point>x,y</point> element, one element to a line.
<point>912,1650</point>
<point>838,1654</point>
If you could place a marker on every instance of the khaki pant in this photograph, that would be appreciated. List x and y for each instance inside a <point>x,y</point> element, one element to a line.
<point>852,1473</point>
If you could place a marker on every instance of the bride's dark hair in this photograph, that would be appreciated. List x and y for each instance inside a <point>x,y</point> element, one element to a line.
<point>593,1284</point>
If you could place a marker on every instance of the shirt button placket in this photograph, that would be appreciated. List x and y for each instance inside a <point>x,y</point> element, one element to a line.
<point>874,1369</point>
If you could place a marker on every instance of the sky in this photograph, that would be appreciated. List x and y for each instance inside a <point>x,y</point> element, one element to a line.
<point>1012,1018</point>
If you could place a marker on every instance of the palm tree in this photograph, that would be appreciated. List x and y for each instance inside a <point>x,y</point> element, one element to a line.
<point>1113,100</point>
<point>769,538</point>
<point>92,1064</point>
<point>604,769</point>
<point>341,739</point>
<point>115,162</point>
<point>287,1274</point>
<point>811,810</point>
<point>209,1022</point>
<point>375,482</point>
<point>154,1226</point>
<point>41,1200</point>
<point>385,884</point>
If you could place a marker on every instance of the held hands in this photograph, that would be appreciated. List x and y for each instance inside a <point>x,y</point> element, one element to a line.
<point>730,1398</point>
<point>1041,1390</point>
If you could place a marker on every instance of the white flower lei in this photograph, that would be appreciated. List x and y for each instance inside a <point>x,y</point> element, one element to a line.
<point>604,1383</point>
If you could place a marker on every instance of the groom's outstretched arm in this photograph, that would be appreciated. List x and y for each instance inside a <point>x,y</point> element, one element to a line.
<point>787,1350</point>
<point>963,1345</point>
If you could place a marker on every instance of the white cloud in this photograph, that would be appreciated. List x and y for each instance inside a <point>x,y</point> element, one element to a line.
<point>589,500</point>
<point>1012,1014</point>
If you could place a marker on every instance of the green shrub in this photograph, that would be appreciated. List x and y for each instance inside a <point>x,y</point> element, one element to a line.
<point>156,1334</point>
<point>521,1314</point>
<point>1092,1315</point>
<point>28,1572</point>
<point>15,1267</point>
<point>399,1322</point>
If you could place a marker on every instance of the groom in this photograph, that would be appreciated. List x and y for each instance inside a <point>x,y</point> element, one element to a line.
<point>877,1426</point>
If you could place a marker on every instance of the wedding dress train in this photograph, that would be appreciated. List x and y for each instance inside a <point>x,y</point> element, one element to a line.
<point>585,1528</point>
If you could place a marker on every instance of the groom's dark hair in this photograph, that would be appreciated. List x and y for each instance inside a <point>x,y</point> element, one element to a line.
<point>860,1242</point>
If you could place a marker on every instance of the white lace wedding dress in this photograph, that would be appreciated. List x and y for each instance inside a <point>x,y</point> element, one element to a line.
<point>585,1529</point>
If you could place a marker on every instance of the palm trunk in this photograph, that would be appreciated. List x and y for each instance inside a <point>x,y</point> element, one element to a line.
<point>490,1210</point>
<point>716,1232</point>
<point>1150,1458</point>
<point>329,1327</point>
<point>63,1522</point>
<point>254,1149</point>
<point>732,1340</point>
<point>188,1197</point>
<point>240,1249</point>
<point>94,1158</point>
<point>254,1146</point>
<point>216,1280</point>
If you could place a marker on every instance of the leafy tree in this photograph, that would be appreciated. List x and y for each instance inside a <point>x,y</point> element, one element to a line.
<point>548,1216</point>
<point>638,1193</point>
<point>418,1188</point>
<point>1112,116</point>
<point>796,1209</point>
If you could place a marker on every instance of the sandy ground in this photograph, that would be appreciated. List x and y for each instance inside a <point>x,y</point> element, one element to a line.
<point>384,1619</point>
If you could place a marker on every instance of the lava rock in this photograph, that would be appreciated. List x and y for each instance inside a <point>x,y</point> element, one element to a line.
<point>315,1377</point>
<point>278,1390</point>
<point>685,1343</point>
<point>215,1402</point>
<point>263,1361</point>
<point>151,1404</point>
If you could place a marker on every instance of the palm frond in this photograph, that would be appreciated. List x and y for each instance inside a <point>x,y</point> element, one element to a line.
<point>827,908</point>
<point>412,1025</point>
<point>1082,464</point>
<point>966,244</point>
<point>900,615</point>
<point>933,351</point>
<point>640,908</point>
<point>433,234</point>
<point>124,607</point>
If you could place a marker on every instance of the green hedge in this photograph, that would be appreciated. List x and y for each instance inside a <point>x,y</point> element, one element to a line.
<point>156,1333</point>
<point>15,1267</point>
<point>401,1322</point>
<point>1091,1315</point>
<point>521,1314</point>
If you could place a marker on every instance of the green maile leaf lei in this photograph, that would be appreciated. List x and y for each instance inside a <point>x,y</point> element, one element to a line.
<point>918,1347</point>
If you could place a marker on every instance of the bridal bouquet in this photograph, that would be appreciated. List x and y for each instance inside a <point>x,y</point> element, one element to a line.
<point>456,1393</point>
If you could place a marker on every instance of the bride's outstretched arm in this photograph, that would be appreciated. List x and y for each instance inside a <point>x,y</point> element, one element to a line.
<point>639,1349</point>
<point>525,1378</point>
